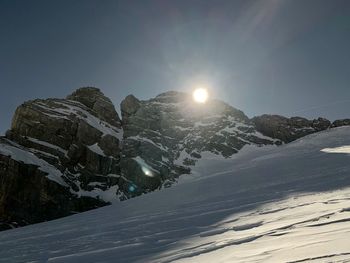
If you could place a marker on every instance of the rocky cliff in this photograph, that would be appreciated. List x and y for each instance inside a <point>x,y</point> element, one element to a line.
<point>289,129</point>
<point>165,136</point>
<point>63,156</point>
<point>60,156</point>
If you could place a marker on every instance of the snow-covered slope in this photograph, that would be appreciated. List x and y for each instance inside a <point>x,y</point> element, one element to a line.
<point>273,204</point>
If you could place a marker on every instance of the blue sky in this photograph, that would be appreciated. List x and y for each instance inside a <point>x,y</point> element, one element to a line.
<point>288,57</point>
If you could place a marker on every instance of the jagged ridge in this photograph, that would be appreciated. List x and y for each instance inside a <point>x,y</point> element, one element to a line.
<point>63,156</point>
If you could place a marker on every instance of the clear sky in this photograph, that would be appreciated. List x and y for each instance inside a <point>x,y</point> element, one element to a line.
<point>289,57</point>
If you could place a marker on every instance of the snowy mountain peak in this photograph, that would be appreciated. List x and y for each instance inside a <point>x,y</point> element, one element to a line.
<point>63,156</point>
<point>95,100</point>
<point>170,133</point>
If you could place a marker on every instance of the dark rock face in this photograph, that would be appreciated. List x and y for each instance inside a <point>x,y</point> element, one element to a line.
<point>339,123</point>
<point>79,139</point>
<point>289,129</point>
<point>28,196</point>
<point>63,156</point>
<point>164,137</point>
<point>95,100</point>
<point>129,106</point>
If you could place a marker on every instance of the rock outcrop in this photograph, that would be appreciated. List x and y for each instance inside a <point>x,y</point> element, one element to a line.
<point>288,129</point>
<point>95,100</point>
<point>79,138</point>
<point>342,122</point>
<point>63,156</point>
<point>165,136</point>
<point>33,191</point>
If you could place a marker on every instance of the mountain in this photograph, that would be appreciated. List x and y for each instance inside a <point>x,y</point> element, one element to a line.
<point>63,156</point>
<point>289,129</point>
<point>265,204</point>
<point>165,136</point>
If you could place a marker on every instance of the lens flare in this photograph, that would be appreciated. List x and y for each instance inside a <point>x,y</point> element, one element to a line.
<point>147,171</point>
<point>200,95</point>
<point>132,188</point>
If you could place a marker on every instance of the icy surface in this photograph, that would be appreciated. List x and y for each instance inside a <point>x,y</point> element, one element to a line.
<point>269,204</point>
<point>342,149</point>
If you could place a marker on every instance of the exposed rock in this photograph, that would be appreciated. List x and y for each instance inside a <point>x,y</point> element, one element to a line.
<point>165,136</point>
<point>129,106</point>
<point>63,156</point>
<point>288,129</point>
<point>339,123</point>
<point>28,195</point>
<point>78,138</point>
<point>95,100</point>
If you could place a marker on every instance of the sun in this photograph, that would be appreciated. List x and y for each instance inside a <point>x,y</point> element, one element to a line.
<point>200,95</point>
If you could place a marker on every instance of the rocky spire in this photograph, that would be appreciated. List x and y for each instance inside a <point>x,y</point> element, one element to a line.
<point>129,106</point>
<point>94,99</point>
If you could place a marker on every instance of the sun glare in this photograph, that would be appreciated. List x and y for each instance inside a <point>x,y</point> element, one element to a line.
<point>200,95</point>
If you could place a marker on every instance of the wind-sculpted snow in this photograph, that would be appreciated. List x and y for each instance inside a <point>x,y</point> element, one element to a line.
<point>275,204</point>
